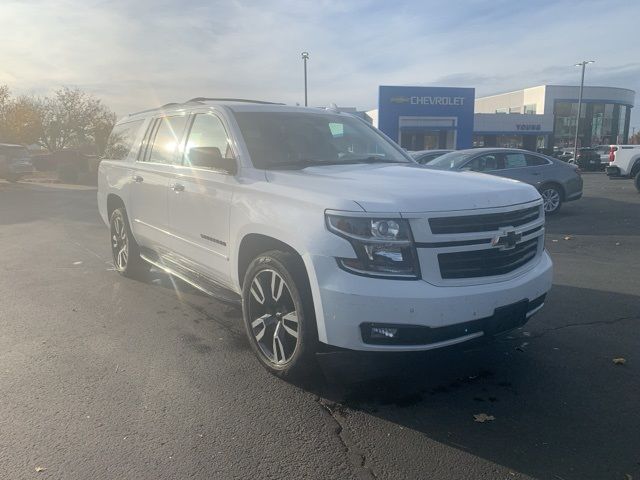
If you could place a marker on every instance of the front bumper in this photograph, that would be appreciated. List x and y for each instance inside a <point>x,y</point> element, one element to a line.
<point>344,302</point>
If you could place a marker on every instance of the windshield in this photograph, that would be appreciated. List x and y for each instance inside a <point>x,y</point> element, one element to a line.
<point>450,161</point>
<point>302,139</point>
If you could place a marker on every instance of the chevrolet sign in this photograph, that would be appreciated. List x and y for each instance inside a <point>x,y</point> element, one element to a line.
<point>446,101</point>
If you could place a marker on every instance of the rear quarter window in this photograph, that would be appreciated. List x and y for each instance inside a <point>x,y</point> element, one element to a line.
<point>121,140</point>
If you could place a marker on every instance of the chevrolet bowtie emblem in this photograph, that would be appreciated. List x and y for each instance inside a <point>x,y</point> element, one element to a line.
<point>507,241</point>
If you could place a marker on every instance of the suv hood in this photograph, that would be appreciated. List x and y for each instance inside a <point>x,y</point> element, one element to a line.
<point>405,188</point>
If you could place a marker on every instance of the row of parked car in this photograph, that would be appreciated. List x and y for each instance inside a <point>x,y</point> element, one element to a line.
<point>588,158</point>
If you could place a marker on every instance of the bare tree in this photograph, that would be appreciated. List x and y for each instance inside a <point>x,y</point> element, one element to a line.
<point>70,118</point>
<point>73,118</point>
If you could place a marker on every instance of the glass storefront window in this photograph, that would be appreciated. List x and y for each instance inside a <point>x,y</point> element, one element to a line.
<point>600,123</point>
<point>478,141</point>
<point>509,141</point>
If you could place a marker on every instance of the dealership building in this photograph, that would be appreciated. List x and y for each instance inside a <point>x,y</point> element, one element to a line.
<point>542,117</point>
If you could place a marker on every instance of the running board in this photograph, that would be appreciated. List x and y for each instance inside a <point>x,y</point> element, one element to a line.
<point>204,285</point>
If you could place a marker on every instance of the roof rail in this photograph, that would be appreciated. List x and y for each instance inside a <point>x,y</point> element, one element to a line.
<point>170,104</point>
<point>206,99</point>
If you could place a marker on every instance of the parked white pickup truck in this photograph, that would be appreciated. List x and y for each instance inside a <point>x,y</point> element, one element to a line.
<point>323,228</point>
<point>624,161</point>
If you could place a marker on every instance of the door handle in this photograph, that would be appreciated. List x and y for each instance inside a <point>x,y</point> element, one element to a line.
<point>177,187</point>
<point>137,178</point>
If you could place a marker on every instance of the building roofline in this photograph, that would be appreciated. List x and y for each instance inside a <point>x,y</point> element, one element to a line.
<point>553,85</point>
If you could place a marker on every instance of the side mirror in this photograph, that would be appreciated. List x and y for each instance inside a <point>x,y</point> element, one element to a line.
<point>210,157</point>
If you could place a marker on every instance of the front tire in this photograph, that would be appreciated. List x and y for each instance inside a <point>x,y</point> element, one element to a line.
<point>552,198</point>
<point>278,314</point>
<point>124,249</point>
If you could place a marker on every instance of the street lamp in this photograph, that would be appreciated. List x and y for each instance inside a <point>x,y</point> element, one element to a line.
<point>582,64</point>
<point>305,57</point>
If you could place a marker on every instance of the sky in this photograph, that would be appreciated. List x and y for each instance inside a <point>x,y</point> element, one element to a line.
<point>144,53</point>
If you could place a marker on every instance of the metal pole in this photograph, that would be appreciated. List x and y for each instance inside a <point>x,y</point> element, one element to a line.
<point>305,57</point>
<point>582,64</point>
<point>575,143</point>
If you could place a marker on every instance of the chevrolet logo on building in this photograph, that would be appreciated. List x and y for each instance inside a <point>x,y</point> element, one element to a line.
<point>400,100</point>
<point>507,241</point>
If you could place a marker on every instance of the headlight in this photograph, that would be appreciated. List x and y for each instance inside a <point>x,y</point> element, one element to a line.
<point>383,246</point>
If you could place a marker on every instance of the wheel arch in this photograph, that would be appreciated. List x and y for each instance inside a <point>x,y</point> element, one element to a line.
<point>113,201</point>
<point>254,244</point>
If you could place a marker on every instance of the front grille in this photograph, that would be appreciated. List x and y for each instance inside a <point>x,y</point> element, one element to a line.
<point>487,222</point>
<point>487,262</point>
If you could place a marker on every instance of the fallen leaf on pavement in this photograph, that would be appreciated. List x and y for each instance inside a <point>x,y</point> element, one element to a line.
<point>568,237</point>
<point>483,417</point>
<point>40,469</point>
<point>620,361</point>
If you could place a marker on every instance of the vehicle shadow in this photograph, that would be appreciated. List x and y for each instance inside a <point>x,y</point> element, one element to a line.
<point>561,406</point>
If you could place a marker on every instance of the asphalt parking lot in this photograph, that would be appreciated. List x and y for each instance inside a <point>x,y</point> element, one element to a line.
<point>104,377</point>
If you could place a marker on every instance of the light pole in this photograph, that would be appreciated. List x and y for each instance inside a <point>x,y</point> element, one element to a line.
<point>582,64</point>
<point>305,57</point>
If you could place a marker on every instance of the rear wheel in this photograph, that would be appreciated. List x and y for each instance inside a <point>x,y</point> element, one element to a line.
<point>278,314</point>
<point>552,198</point>
<point>124,249</point>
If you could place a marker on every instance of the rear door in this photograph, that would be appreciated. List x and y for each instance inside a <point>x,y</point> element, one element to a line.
<point>522,166</point>
<point>200,201</point>
<point>152,173</point>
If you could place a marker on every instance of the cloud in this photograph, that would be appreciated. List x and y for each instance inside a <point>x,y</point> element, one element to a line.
<point>145,53</point>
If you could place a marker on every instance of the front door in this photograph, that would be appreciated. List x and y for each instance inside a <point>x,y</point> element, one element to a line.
<point>200,202</point>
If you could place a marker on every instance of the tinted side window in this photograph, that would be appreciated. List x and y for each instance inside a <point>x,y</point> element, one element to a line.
<point>207,131</point>
<point>121,140</point>
<point>167,138</point>
<point>534,161</point>
<point>483,163</point>
<point>514,160</point>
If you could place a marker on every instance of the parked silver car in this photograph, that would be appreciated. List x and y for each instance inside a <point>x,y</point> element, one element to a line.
<point>15,162</point>
<point>556,181</point>
<point>425,156</point>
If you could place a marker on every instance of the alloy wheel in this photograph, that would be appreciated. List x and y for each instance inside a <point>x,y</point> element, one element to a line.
<point>119,243</point>
<point>551,199</point>
<point>273,316</point>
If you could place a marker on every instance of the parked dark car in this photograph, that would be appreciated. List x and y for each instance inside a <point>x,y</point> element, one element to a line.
<point>425,156</point>
<point>556,181</point>
<point>588,159</point>
<point>15,162</point>
<point>564,154</point>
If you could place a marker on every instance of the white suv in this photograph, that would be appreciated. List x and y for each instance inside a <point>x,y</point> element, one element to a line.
<point>323,228</point>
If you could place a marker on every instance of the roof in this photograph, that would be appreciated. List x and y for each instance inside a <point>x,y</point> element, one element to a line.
<point>11,145</point>
<point>235,104</point>
<point>204,101</point>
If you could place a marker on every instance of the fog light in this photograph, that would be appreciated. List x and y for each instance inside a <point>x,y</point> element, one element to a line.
<point>383,332</point>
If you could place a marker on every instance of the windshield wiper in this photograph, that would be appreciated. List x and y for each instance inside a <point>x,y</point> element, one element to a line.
<point>302,163</point>
<point>370,159</point>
